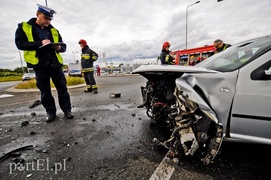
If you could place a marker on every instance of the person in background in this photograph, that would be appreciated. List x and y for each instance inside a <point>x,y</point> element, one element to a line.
<point>42,45</point>
<point>192,61</point>
<point>98,71</point>
<point>220,45</point>
<point>165,56</point>
<point>199,59</point>
<point>248,53</point>
<point>88,56</point>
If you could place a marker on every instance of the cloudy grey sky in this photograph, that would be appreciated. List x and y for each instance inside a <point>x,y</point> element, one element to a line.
<point>134,29</point>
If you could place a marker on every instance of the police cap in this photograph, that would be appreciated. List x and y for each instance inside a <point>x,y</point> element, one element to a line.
<point>48,12</point>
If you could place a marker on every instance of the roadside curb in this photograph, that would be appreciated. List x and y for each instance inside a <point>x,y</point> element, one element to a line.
<point>12,89</point>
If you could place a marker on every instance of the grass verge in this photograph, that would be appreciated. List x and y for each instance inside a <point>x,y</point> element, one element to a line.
<point>10,78</point>
<point>31,84</point>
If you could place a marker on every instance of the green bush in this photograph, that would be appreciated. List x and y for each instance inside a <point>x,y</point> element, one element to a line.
<point>6,74</point>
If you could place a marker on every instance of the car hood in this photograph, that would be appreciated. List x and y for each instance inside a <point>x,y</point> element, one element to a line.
<point>210,84</point>
<point>171,68</point>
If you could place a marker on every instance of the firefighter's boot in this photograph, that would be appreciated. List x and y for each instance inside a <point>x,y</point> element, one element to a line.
<point>95,89</point>
<point>89,89</point>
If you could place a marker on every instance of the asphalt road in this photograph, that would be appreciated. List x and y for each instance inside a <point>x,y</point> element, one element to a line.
<point>109,138</point>
<point>5,85</point>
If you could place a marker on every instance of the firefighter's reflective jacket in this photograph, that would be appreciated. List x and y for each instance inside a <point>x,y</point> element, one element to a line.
<point>166,58</point>
<point>88,56</point>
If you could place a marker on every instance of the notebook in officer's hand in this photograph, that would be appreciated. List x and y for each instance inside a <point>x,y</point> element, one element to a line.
<point>51,43</point>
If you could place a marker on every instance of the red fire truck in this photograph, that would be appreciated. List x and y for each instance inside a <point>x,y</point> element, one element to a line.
<point>192,56</point>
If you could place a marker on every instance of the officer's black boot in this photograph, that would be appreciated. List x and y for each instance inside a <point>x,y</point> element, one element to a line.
<point>50,117</point>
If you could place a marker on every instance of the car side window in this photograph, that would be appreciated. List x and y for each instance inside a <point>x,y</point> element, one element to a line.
<point>260,73</point>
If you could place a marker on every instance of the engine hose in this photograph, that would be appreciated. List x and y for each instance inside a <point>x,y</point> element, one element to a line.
<point>175,131</point>
<point>160,103</point>
<point>172,137</point>
<point>181,127</point>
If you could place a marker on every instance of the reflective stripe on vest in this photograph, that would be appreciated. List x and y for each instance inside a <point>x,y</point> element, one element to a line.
<point>30,56</point>
<point>56,39</point>
<point>225,47</point>
<point>85,56</point>
<point>94,58</point>
<point>167,59</point>
<point>87,69</point>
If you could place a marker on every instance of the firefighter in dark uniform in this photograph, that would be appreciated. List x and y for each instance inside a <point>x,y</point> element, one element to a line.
<point>42,45</point>
<point>220,45</point>
<point>88,56</point>
<point>165,56</point>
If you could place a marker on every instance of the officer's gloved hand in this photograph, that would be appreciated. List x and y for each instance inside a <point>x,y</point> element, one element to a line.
<point>57,47</point>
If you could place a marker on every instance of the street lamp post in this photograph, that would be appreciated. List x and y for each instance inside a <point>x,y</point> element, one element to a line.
<point>21,61</point>
<point>74,55</point>
<point>186,22</point>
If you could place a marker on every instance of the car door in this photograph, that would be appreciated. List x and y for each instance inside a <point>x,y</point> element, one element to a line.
<point>250,117</point>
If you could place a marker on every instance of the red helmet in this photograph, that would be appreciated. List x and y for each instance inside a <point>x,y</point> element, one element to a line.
<point>165,45</point>
<point>82,41</point>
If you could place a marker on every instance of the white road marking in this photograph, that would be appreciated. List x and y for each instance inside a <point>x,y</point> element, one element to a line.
<point>6,95</point>
<point>164,171</point>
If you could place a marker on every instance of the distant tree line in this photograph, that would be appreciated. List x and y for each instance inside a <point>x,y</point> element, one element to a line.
<point>16,72</point>
<point>19,71</point>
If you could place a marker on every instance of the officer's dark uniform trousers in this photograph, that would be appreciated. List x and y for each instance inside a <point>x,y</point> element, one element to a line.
<point>43,76</point>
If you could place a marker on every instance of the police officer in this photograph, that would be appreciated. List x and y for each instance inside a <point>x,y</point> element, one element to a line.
<point>42,45</point>
<point>165,56</point>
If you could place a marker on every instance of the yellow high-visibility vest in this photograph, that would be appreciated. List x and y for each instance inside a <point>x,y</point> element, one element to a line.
<point>30,55</point>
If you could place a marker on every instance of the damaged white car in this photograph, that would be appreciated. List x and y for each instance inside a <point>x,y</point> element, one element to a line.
<point>226,97</point>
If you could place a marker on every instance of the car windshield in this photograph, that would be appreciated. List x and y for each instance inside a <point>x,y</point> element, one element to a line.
<point>237,55</point>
